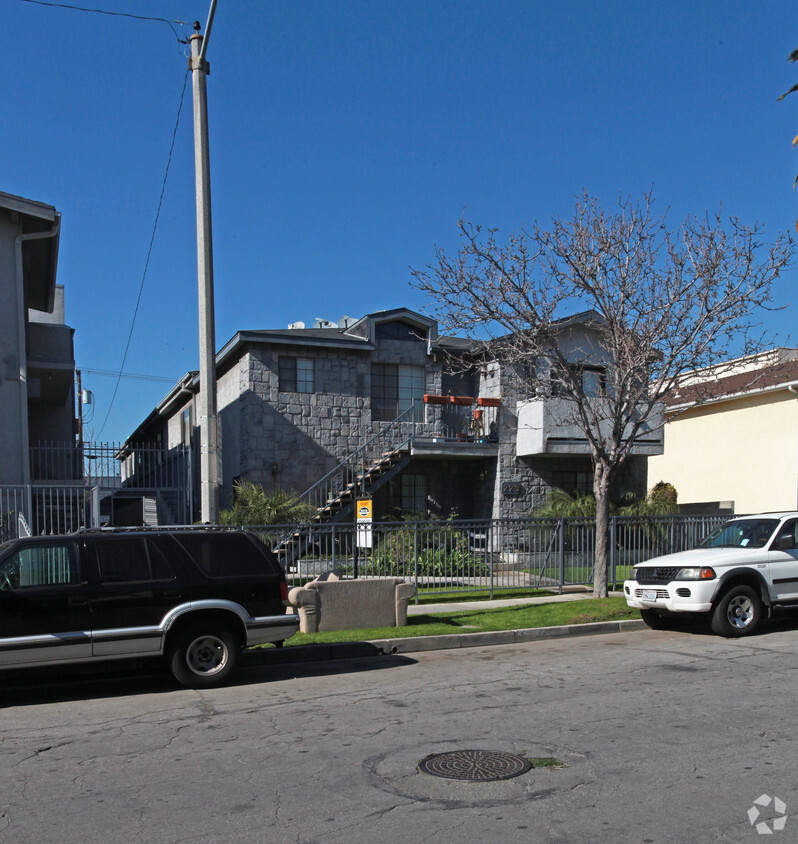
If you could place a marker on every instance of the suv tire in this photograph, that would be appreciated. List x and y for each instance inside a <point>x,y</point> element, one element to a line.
<point>738,612</point>
<point>204,655</point>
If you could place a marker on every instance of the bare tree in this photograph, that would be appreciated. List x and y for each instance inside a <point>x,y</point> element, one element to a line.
<point>663,303</point>
<point>793,57</point>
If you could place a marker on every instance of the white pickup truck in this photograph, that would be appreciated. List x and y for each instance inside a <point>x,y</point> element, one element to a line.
<point>737,574</point>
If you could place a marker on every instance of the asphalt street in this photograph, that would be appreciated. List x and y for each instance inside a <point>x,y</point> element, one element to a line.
<point>662,736</point>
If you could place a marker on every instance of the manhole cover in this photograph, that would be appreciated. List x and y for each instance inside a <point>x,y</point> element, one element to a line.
<point>474,765</point>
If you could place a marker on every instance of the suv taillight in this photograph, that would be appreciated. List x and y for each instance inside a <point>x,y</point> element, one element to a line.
<point>283,591</point>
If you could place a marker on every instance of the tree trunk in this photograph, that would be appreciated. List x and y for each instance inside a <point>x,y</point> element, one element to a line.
<point>601,492</point>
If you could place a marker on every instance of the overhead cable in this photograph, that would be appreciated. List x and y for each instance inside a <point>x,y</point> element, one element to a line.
<point>113,14</point>
<point>149,253</point>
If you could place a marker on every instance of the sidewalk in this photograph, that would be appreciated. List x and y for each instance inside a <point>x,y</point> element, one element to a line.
<point>498,603</point>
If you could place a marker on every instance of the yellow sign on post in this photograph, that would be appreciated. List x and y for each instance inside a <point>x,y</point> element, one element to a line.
<point>363,522</point>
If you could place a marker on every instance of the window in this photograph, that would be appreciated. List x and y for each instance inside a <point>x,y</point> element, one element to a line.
<point>573,482</point>
<point>296,375</point>
<point>593,380</point>
<point>40,565</point>
<point>398,330</point>
<point>409,493</point>
<point>185,427</point>
<point>130,560</point>
<point>227,555</point>
<point>741,533</point>
<point>394,388</point>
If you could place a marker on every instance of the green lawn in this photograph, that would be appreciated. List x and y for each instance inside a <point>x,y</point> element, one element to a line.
<point>477,621</point>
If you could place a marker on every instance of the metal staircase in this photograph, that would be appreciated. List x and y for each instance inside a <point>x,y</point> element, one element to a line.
<point>364,471</point>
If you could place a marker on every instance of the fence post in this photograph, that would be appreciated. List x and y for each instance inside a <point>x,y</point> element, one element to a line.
<point>415,557</point>
<point>613,537</point>
<point>489,539</point>
<point>95,506</point>
<point>561,552</point>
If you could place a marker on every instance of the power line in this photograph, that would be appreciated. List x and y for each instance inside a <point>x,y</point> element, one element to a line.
<point>112,373</point>
<point>113,14</point>
<point>149,253</point>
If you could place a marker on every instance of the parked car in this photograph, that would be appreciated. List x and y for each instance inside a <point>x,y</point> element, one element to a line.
<point>194,596</point>
<point>737,574</point>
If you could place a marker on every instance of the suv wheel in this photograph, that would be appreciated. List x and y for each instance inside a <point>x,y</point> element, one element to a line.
<point>738,612</point>
<point>203,656</point>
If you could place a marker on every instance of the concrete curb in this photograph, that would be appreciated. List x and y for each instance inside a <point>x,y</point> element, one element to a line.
<point>411,644</point>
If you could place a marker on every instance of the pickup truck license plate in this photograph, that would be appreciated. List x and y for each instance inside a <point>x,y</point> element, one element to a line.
<point>649,595</point>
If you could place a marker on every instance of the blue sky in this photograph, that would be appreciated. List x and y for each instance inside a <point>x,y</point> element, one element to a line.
<point>347,138</point>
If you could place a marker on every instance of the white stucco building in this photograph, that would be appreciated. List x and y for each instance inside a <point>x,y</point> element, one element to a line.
<point>736,450</point>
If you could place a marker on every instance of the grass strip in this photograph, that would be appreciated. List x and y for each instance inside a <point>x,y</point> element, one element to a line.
<point>479,621</point>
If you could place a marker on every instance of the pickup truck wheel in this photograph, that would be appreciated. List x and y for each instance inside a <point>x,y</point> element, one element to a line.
<point>738,612</point>
<point>658,621</point>
<point>204,655</point>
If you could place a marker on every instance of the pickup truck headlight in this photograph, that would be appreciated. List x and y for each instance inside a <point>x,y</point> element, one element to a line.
<point>696,573</point>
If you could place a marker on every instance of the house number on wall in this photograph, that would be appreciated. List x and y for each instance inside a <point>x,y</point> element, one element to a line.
<point>512,489</point>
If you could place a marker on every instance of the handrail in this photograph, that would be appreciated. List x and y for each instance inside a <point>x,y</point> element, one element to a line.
<point>352,471</point>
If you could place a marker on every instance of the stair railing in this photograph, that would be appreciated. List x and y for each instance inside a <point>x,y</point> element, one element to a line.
<point>353,471</point>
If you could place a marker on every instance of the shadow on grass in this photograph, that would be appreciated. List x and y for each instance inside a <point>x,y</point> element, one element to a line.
<point>416,620</point>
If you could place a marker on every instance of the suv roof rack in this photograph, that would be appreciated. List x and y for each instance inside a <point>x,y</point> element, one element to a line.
<point>151,528</point>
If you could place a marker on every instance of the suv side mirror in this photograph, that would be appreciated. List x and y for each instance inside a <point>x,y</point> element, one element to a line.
<point>785,542</point>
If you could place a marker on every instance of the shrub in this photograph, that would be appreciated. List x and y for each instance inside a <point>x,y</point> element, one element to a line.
<point>252,505</point>
<point>559,504</point>
<point>444,553</point>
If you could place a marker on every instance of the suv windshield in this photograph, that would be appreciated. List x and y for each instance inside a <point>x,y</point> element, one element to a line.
<point>741,533</point>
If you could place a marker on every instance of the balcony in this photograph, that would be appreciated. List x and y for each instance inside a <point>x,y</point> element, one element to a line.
<point>458,426</point>
<point>546,426</point>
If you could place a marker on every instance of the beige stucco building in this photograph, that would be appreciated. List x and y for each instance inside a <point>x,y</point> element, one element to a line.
<point>737,449</point>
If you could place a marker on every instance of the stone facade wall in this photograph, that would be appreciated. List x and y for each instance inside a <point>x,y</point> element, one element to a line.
<point>293,439</point>
<point>517,486</point>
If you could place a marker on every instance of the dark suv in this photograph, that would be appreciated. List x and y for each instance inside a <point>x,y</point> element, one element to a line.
<point>195,596</point>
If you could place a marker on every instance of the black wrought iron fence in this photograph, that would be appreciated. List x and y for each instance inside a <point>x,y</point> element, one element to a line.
<point>489,555</point>
<point>42,510</point>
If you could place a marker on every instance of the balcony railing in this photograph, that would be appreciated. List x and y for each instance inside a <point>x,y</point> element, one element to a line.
<point>111,464</point>
<point>549,426</point>
<point>464,418</point>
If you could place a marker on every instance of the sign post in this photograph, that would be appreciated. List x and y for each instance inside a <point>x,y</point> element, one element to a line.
<point>363,519</point>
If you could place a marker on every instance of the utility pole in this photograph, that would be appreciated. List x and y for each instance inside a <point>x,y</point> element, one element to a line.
<point>209,445</point>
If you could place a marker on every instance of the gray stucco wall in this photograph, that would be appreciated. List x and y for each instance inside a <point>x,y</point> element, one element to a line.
<point>12,393</point>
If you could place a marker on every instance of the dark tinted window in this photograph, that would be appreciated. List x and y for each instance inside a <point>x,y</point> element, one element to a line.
<point>399,331</point>
<point>227,554</point>
<point>126,559</point>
